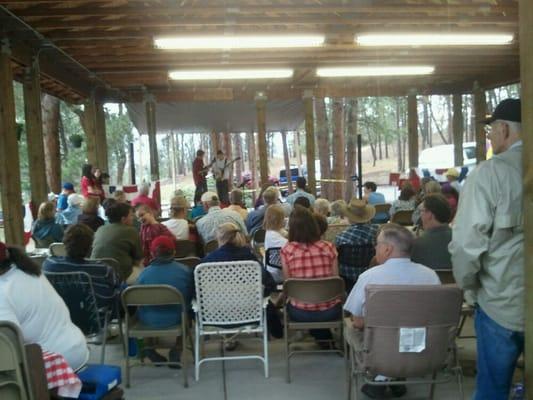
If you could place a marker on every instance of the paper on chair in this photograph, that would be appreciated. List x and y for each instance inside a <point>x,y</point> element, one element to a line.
<point>412,340</point>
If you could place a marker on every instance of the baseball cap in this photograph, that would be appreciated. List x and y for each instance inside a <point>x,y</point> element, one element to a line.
<point>507,110</point>
<point>68,186</point>
<point>452,172</point>
<point>163,243</point>
<point>208,196</point>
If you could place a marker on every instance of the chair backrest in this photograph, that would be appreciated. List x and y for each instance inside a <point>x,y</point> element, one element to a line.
<point>333,231</point>
<point>382,208</point>
<point>210,246</point>
<point>410,329</point>
<point>185,248</point>
<point>111,262</point>
<point>14,372</point>
<point>259,236</point>
<point>57,249</point>
<point>446,276</point>
<point>403,217</point>
<point>318,290</point>
<point>273,257</point>
<point>43,243</point>
<point>77,291</point>
<point>229,293</point>
<point>151,295</point>
<point>190,262</point>
<point>356,256</point>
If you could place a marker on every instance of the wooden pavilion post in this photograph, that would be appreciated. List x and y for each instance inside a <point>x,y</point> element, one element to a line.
<point>525,13</point>
<point>9,155</point>
<point>100,137</point>
<point>310,140</point>
<point>34,133</point>
<point>89,125</point>
<point>152,142</point>
<point>260,104</point>
<point>480,105</point>
<point>458,129</point>
<point>412,128</point>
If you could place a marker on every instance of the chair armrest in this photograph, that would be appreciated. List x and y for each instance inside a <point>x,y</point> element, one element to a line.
<point>194,306</point>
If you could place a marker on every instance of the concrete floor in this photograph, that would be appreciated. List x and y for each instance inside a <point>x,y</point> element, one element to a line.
<point>314,376</point>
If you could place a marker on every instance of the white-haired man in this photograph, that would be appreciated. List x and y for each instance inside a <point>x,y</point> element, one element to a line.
<point>143,198</point>
<point>207,225</point>
<point>393,251</point>
<point>487,250</point>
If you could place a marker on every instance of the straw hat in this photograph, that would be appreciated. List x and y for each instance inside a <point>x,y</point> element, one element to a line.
<point>452,172</point>
<point>358,211</point>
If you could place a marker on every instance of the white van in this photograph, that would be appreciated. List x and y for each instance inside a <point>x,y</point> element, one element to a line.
<point>442,157</point>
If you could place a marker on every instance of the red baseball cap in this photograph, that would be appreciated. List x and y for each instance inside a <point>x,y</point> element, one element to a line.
<point>164,243</point>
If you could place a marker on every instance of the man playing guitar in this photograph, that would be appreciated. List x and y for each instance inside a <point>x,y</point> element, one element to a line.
<point>221,171</point>
<point>199,172</point>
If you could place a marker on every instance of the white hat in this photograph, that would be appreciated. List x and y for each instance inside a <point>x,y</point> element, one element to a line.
<point>74,199</point>
<point>208,196</point>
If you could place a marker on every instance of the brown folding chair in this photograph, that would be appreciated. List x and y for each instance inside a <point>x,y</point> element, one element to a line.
<point>403,217</point>
<point>190,262</point>
<point>185,248</point>
<point>382,208</point>
<point>311,291</point>
<point>155,295</point>
<point>210,246</point>
<point>409,333</point>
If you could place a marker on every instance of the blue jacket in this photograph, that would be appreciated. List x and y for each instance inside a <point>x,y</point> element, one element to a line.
<point>47,229</point>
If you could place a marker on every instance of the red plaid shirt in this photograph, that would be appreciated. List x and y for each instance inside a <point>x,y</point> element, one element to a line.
<point>148,234</point>
<point>313,260</point>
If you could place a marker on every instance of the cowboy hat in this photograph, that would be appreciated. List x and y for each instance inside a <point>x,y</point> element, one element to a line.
<point>358,211</point>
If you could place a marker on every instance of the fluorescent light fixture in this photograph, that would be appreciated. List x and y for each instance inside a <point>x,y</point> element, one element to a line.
<point>433,39</point>
<point>375,71</point>
<point>237,42</point>
<point>218,74</point>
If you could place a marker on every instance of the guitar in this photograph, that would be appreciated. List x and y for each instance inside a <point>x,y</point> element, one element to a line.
<point>205,169</point>
<point>219,174</point>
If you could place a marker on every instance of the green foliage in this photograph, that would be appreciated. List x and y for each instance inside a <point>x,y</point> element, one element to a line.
<point>119,135</point>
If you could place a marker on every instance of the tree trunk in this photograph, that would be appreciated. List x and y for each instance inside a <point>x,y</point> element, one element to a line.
<point>228,152</point>
<point>449,107</point>
<point>338,150</point>
<point>63,139</point>
<point>425,122</point>
<point>252,160</point>
<point>322,134</point>
<point>351,149</point>
<point>238,153</point>
<point>121,165</point>
<point>439,130</point>
<point>399,135</point>
<point>298,151</point>
<point>50,107</point>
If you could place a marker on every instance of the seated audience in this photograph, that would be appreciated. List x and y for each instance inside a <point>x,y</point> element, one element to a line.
<point>120,240</point>
<point>452,175</point>
<point>429,187</point>
<point>302,202</point>
<point>322,207</point>
<point>150,229</point>
<point>89,215</point>
<point>197,211</point>
<point>431,248</point>
<point>68,189</point>
<point>120,196</point>
<point>322,223</point>
<point>393,251</point>
<point>452,196</point>
<point>306,256</point>
<point>70,215</point>
<point>260,202</point>
<point>405,202</point>
<point>300,191</point>
<point>45,230</point>
<point>207,225</point>
<point>275,236</point>
<point>233,246</point>
<point>144,199</point>
<point>177,223</point>
<point>29,301</point>
<point>164,270</point>
<point>357,242</point>
<point>372,197</point>
<point>337,213</point>
<point>255,218</point>
<point>78,242</point>
<point>237,203</point>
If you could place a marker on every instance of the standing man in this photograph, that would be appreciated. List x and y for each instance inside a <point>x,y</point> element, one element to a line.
<point>221,172</point>
<point>487,251</point>
<point>198,174</point>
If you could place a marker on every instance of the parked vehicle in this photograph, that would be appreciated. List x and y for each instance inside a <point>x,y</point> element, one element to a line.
<point>434,161</point>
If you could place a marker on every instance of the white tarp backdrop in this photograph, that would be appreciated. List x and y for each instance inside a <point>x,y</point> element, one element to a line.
<point>206,117</point>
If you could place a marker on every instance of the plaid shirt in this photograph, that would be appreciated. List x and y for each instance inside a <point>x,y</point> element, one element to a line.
<point>313,260</point>
<point>356,249</point>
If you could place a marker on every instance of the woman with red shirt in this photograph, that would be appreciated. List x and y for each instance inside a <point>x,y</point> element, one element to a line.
<point>88,185</point>
<point>306,256</point>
